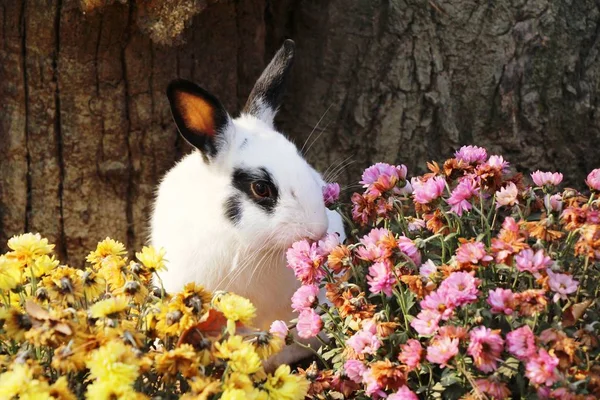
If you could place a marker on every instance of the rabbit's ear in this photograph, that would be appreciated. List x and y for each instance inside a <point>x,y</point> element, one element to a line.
<point>200,117</point>
<point>268,91</point>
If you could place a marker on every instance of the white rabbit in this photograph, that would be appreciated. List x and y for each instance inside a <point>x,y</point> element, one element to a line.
<point>227,213</point>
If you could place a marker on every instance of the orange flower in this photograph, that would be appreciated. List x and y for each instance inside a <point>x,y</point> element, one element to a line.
<point>588,244</point>
<point>339,259</point>
<point>531,301</point>
<point>416,285</point>
<point>388,375</point>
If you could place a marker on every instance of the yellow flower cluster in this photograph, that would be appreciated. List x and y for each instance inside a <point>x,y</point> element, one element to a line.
<point>107,331</point>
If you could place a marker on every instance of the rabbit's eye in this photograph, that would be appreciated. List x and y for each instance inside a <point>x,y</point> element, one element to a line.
<point>260,189</point>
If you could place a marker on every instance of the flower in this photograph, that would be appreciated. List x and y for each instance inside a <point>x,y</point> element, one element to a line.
<point>381,178</point>
<point>377,245</point>
<point>279,328</point>
<point>408,247</point>
<point>532,262</point>
<point>115,363</point>
<point>546,178</point>
<point>427,269</point>
<point>426,322</point>
<point>411,353</point>
<point>502,301</point>
<point>235,308</point>
<point>354,370</point>
<point>182,359</point>
<point>498,162</point>
<point>485,347</point>
<point>440,302</point>
<point>561,284</point>
<point>381,278</point>
<point>494,389</point>
<point>267,344</point>
<point>425,192</point>
<point>305,260</point>
<point>521,343</point>
<point>460,196</point>
<point>305,297</point>
<point>152,259</point>
<point>541,368</point>
<point>365,341</point>
<point>109,308</point>
<point>460,287</point>
<point>286,386</point>
<point>106,248</point>
<point>553,202</point>
<point>331,193</point>
<point>442,350</point>
<point>372,386</point>
<point>593,179</point>
<point>403,393</point>
<point>507,196</point>
<point>29,246</point>
<point>309,324</point>
<point>10,273</point>
<point>471,154</point>
<point>472,253</point>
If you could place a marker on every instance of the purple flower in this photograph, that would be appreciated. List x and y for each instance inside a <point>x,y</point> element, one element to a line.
<point>305,297</point>
<point>459,199</point>
<point>426,191</point>
<point>381,278</point>
<point>546,178</point>
<point>471,154</point>
<point>331,193</point>
<point>593,179</point>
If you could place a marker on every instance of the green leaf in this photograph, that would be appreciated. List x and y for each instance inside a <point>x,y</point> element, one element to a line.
<point>509,368</point>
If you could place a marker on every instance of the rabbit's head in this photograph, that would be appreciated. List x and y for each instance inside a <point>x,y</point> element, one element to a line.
<point>274,196</point>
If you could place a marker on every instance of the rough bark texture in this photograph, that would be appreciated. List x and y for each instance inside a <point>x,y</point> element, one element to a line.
<point>85,131</point>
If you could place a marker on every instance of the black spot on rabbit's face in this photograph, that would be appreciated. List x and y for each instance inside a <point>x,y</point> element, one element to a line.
<point>258,185</point>
<point>233,209</point>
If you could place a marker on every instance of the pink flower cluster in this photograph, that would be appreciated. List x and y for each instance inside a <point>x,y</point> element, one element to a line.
<point>382,177</point>
<point>425,192</point>
<point>460,198</point>
<point>547,178</point>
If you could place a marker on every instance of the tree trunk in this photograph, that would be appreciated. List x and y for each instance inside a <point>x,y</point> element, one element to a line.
<point>85,130</point>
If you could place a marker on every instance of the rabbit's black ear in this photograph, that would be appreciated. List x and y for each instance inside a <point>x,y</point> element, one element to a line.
<point>200,117</point>
<point>268,91</point>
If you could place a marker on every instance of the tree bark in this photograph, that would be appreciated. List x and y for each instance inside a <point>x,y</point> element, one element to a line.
<point>86,133</point>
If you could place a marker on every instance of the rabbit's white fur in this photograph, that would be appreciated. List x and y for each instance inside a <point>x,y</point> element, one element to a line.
<point>249,259</point>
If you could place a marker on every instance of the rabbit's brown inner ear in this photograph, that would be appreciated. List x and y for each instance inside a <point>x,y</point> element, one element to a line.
<point>197,113</point>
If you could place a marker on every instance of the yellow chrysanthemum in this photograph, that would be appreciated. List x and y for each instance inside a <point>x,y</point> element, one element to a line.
<point>240,355</point>
<point>134,290</point>
<point>152,259</point>
<point>15,323</point>
<point>106,390</point>
<point>10,273</point>
<point>109,308</point>
<point>93,284</point>
<point>234,394</point>
<point>67,360</point>
<point>235,308</point>
<point>29,246</point>
<point>202,387</point>
<point>195,297</point>
<point>41,266</point>
<point>182,360</point>
<point>236,380</point>
<point>115,363</point>
<point>106,248</point>
<point>284,385</point>
<point>113,271</point>
<point>174,318</point>
<point>60,390</point>
<point>267,344</point>
<point>35,389</point>
<point>64,285</point>
<point>12,382</point>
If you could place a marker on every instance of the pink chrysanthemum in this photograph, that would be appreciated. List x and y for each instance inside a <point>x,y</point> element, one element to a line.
<point>593,179</point>
<point>553,202</point>
<point>331,193</point>
<point>416,224</point>
<point>546,178</point>
<point>471,154</point>
<point>365,341</point>
<point>441,302</point>
<point>306,259</point>
<point>493,389</point>
<point>376,245</point>
<point>408,247</point>
<point>354,370</point>
<point>403,393</point>
<point>427,322</point>
<point>485,347</point>
<point>305,297</point>
<point>411,353</point>
<point>459,199</point>
<point>372,386</point>
<point>442,350</point>
<point>498,163</point>
<point>472,253</point>
<point>502,301</point>
<point>381,278</point>
<point>532,262</point>
<point>542,368</point>
<point>279,328</point>
<point>328,243</point>
<point>381,178</point>
<point>521,343</point>
<point>426,191</point>
<point>309,324</point>
<point>507,196</point>
<point>561,284</point>
<point>460,288</point>
<point>427,269</point>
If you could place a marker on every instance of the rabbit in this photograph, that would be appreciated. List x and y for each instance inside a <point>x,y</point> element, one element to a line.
<point>227,212</point>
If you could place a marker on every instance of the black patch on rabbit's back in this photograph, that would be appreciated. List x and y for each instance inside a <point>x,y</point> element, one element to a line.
<point>233,209</point>
<point>242,180</point>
